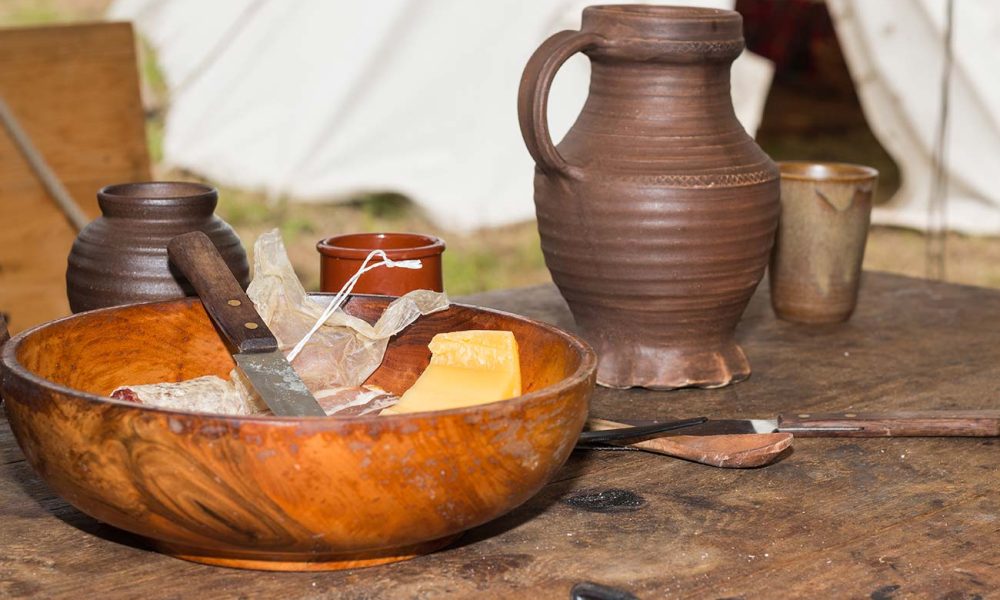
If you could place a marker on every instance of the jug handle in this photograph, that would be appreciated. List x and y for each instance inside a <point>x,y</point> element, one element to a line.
<point>533,97</point>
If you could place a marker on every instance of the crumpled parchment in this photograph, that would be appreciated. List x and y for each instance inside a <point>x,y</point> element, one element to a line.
<point>333,364</point>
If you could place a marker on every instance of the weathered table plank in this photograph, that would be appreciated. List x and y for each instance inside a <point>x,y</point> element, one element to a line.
<point>877,518</point>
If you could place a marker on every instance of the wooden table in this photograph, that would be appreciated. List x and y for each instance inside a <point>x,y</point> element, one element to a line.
<point>878,518</point>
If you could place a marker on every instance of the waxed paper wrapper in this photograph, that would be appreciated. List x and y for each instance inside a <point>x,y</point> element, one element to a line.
<point>334,363</point>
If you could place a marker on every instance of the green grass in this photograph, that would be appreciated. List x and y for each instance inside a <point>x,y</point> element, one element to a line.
<point>26,13</point>
<point>296,227</point>
<point>149,69</point>
<point>33,13</point>
<point>471,271</point>
<point>154,140</point>
<point>154,86</point>
<point>243,209</point>
<point>383,206</point>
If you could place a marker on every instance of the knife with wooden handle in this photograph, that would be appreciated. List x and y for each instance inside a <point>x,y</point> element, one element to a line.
<point>964,423</point>
<point>255,348</point>
<point>970,423</point>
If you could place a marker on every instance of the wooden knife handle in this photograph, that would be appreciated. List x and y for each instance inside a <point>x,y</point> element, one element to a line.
<point>226,302</point>
<point>972,423</point>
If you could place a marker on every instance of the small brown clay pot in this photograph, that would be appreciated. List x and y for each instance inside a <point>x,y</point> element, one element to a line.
<point>341,257</point>
<point>121,257</point>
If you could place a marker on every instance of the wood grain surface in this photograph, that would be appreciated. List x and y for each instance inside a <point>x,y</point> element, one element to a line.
<point>75,90</point>
<point>861,518</point>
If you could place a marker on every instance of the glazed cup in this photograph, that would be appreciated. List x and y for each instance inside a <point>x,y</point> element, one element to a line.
<point>341,256</point>
<point>815,269</point>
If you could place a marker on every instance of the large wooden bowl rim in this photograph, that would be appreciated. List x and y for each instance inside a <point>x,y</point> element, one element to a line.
<point>587,366</point>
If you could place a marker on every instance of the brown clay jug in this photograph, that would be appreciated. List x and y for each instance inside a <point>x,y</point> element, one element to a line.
<point>121,257</point>
<point>657,211</point>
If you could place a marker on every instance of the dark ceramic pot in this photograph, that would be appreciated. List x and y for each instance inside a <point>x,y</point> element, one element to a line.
<point>657,211</point>
<point>121,257</point>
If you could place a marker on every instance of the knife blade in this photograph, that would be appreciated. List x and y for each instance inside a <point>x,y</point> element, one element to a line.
<point>253,346</point>
<point>967,423</point>
<point>603,432</point>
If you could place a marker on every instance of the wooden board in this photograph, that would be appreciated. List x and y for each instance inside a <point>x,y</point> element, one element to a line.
<point>864,518</point>
<point>75,91</point>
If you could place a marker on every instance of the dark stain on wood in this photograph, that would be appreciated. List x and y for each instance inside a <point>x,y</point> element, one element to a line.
<point>607,501</point>
<point>699,502</point>
<point>494,566</point>
<point>886,592</point>
<point>588,590</point>
<point>960,595</point>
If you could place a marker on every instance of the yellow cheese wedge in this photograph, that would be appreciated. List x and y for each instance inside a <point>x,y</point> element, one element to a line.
<point>467,368</point>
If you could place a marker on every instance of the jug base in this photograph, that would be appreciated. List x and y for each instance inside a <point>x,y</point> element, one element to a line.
<point>658,368</point>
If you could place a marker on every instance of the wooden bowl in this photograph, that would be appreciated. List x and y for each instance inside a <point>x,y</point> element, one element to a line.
<point>311,493</point>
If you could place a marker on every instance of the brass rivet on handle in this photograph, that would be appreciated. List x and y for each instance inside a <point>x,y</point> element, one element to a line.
<point>250,325</point>
<point>234,303</point>
<point>850,415</point>
<point>804,416</point>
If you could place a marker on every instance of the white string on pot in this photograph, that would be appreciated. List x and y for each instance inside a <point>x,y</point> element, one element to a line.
<point>341,296</point>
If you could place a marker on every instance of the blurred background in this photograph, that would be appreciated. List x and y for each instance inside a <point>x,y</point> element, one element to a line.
<point>321,118</point>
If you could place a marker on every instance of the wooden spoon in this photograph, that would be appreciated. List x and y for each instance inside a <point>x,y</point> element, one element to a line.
<point>730,451</point>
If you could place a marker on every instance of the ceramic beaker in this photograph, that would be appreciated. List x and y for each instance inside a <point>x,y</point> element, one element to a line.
<point>815,269</point>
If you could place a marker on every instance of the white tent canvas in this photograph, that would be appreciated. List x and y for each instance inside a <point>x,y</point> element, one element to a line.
<point>895,51</point>
<point>317,100</point>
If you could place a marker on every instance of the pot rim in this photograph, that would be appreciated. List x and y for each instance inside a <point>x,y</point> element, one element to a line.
<point>822,171</point>
<point>129,200</point>
<point>11,369</point>
<point>423,245</point>
<point>695,13</point>
<point>157,190</point>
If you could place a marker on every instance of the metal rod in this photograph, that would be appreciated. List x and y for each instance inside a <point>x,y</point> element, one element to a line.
<point>77,218</point>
